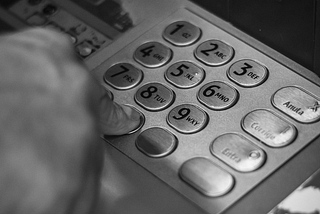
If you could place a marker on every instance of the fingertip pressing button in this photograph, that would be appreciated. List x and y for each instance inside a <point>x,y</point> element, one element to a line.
<point>138,116</point>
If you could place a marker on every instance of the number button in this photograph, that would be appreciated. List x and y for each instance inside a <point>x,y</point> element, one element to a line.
<point>123,76</point>
<point>182,33</point>
<point>187,118</point>
<point>218,95</point>
<point>247,73</point>
<point>184,74</point>
<point>154,97</point>
<point>214,53</point>
<point>153,54</point>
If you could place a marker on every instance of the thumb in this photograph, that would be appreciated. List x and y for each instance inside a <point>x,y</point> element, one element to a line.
<point>116,119</point>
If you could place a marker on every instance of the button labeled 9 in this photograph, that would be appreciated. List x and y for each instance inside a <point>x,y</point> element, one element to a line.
<point>187,118</point>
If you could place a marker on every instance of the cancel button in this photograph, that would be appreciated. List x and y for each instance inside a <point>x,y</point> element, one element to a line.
<point>238,152</point>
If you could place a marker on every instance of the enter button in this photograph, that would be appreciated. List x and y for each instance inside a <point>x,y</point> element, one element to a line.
<point>238,152</point>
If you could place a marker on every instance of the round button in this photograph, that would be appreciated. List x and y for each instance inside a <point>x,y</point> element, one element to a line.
<point>156,142</point>
<point>247,73</point>
<point>153,54</point>
<point>123,76</point>
<point>182,33</point>
<point>206,177</point>
<point>214,53</point>
<point>187,118</point>
<point>184,74</point>
<point>154,97</point>
<point>218,95</point>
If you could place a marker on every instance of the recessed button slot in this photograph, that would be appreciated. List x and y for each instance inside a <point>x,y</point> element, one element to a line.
<point>238,152</point>
<point>206,177</point>
<point>269,128</point>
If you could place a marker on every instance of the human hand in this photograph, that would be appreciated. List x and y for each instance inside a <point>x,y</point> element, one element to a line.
<point>50,152</point>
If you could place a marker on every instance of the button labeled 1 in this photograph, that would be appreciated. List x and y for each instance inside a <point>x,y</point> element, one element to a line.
<point>181,33</point>
<point>154,96</point>
<point>187,118</point>
<point>214,53</point>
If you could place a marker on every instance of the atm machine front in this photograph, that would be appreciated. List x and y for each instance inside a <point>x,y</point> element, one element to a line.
<point>229,93</point>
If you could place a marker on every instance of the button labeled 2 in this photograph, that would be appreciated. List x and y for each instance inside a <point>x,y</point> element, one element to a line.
<point>214,53</point>
<point>154,96</point>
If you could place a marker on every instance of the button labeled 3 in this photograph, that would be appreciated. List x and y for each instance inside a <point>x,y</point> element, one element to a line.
<point>247,73</point>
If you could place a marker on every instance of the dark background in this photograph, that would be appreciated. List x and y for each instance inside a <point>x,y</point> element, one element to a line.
<point>292,27</point>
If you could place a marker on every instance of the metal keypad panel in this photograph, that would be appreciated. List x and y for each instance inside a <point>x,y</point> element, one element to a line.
<point>220,116</point>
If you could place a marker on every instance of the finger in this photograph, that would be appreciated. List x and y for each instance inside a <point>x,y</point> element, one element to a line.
<point>116,119</point>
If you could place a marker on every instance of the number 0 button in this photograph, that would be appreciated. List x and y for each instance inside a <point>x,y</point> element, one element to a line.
<point>247,73</point>
<point>214,53</point>
<point>154,97</point>
<point>182,33</point>
<point>187,118</point>
<point>123,76</point>
<point>153,54</point>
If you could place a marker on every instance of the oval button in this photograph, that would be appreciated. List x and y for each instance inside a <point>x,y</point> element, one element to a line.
<point>297,103</point>
<point>184,74</point>
<point>214,53</point>
<point>156,142</point>
<point>154,96</point>
<point>247,73</point>
<point>182,33</point>
<point>187,118</point>
<point>269,128</point>
<point>238,152</point>
<point>153,54</point>
<point>218,95</point>
<point>206,177</point>
<point>123,76</point>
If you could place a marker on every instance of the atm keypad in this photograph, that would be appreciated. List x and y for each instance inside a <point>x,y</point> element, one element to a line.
<point>191,84</point>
